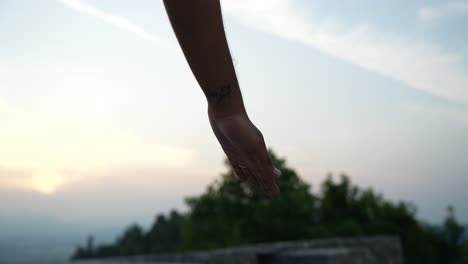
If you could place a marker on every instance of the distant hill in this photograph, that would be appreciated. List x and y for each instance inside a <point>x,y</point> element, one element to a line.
<point>32,239</point>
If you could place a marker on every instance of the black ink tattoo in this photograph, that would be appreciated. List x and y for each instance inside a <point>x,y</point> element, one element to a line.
<point>218,94</point>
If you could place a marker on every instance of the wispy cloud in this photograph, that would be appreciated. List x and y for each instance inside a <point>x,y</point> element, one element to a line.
<point>114,20</point>
<point>458,8</point>
<point>415,63</point>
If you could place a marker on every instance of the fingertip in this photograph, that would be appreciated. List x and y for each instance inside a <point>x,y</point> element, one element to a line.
<point>277,172</point>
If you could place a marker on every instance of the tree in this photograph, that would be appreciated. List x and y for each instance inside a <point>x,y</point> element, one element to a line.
<point>229,213</point>
<point>450,238</point>
<point>347,210</point>
<point>85,252</point>
<point>132,242</point>
<point>164,235</point>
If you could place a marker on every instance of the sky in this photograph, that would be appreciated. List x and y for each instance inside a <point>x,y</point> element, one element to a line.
<point>99,110</point>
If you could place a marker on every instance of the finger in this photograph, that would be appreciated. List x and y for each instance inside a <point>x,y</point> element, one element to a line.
<point>267,163</point>
<point>276,172</point>
<point>240,174</point>
<point>262,179</point>
<point>272,188</point>
<point>266,157</point>
<point>268,178</point>
<point>255,181</point>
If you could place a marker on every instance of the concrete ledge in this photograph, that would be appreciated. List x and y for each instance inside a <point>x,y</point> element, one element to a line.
<point>361,250</point>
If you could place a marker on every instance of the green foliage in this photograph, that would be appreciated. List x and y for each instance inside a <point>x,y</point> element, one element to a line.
<point>464,250</point>
<point>230,213</point>
<point>163,236</point>
<point>87,252</point>
<point>449,239</point>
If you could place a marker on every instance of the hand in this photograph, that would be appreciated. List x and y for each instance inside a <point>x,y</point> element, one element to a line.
<point>245,148</point>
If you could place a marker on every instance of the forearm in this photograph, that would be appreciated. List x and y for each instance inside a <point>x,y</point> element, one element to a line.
<point>199,29</point>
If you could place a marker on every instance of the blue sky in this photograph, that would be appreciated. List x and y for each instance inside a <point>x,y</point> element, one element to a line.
<point>99,110</point>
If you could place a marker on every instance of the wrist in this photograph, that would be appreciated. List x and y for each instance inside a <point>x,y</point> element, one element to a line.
<point>224,100</point>
<point>216,112</point>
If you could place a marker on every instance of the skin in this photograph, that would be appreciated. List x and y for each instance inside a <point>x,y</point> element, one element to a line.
<point>199,29</point>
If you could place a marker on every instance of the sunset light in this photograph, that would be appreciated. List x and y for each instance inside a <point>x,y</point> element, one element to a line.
<point>47,181</point>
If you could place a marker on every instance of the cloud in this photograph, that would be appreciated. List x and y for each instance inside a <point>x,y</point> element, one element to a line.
<point>415,63</point>
<point>448,9</point>
<point>114,20</point>
<point>54,152</point>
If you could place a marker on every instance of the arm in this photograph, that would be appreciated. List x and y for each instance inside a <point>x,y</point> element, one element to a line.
<point>199,29</point>
<point>200,32</point>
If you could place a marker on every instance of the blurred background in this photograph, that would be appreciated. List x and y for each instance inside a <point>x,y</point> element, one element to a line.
<point>102,124</point>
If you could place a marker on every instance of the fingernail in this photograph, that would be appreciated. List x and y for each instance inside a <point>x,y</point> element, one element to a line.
<point>277,172</point>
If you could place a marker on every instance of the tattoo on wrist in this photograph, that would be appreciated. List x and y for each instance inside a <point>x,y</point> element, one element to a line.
<point>218,94</point>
